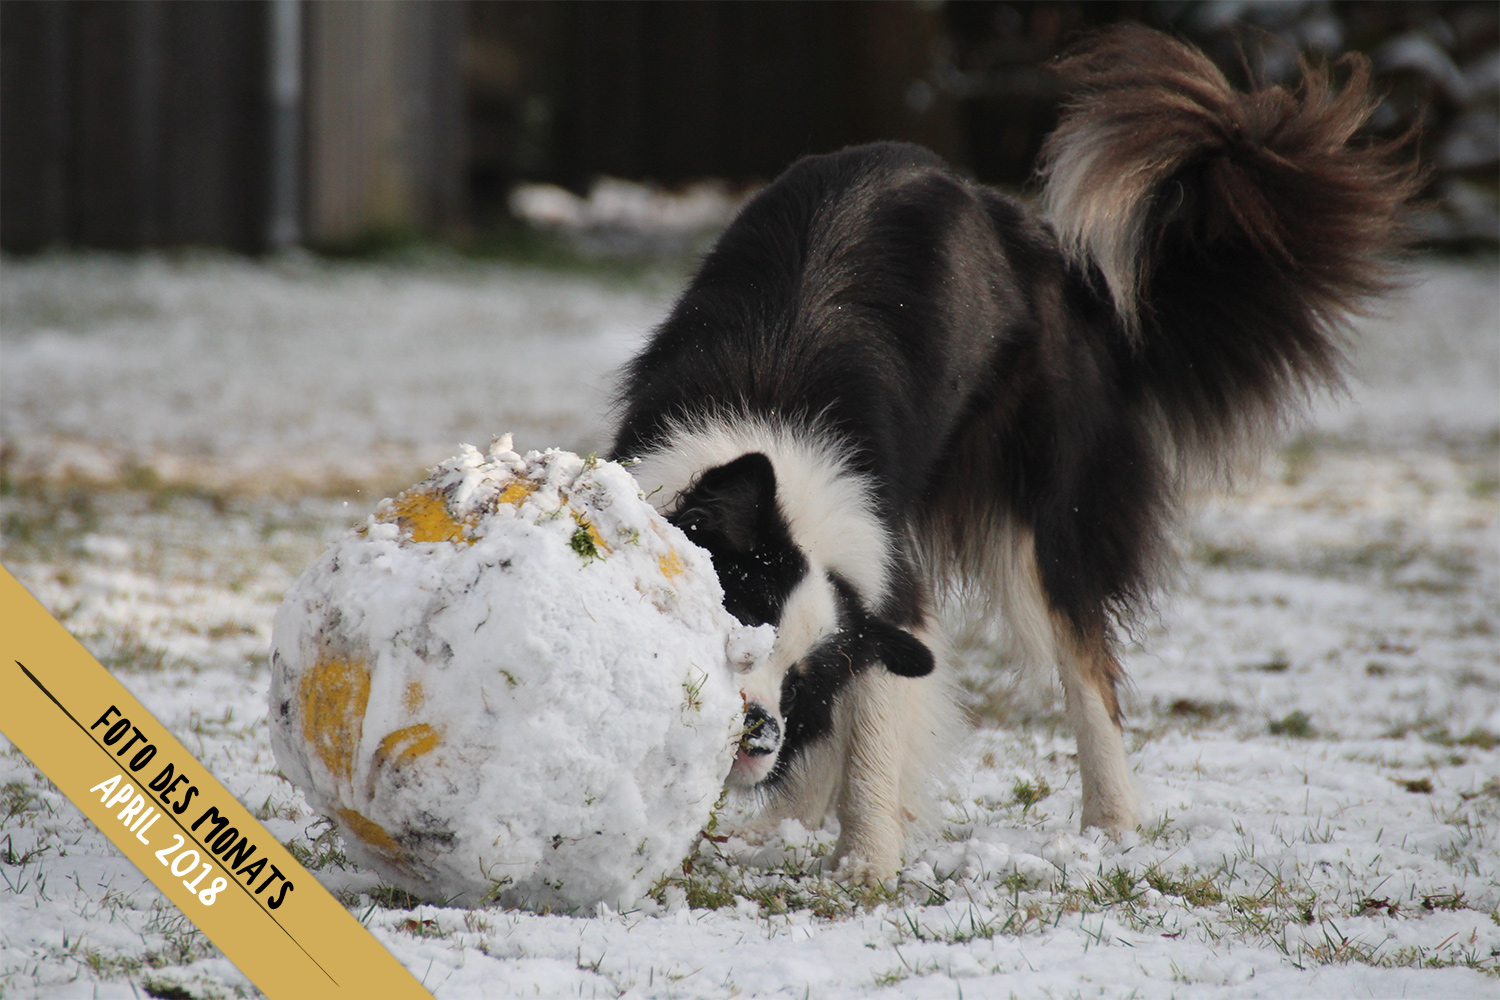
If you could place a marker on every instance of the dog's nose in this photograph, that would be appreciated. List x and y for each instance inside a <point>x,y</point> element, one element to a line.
<point>762,733</point>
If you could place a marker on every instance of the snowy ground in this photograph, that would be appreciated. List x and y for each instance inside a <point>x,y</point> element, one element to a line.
<point>1315,716</point>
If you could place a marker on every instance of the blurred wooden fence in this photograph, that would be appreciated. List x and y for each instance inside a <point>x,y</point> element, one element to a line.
<point>384,119</point>
<point>673,91</point>
<point>253,123</point>
<point>335,123</point>
<point>239,123</point>
<point>132,124</point>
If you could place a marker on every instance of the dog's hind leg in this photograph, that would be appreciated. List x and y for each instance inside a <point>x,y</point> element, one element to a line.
<point>1090,674</point>
<point>1088,670</point>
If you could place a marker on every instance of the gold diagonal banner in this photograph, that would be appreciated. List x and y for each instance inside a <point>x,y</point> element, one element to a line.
<point>167,814</point>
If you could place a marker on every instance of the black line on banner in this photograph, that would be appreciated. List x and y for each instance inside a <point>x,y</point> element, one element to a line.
<point>173,817</point>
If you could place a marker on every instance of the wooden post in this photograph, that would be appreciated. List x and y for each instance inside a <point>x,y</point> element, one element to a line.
<point>284,84</point>
<point>383,108</point>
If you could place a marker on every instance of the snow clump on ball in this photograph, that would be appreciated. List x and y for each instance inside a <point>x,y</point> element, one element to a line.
<point>512,684</point>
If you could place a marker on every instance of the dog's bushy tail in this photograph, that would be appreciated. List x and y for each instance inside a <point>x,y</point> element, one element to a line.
<point>1233,232</point>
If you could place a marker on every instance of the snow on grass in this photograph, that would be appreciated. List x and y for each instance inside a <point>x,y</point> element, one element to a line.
<point>1315,717</point>
<point>211,371</point>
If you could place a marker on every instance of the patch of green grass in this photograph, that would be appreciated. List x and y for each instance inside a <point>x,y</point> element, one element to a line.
<point>828,898</point>
<point>1122,890</point>
<point>277,810</point>
<point>1113,887</point>
<point>1451,900</point>
<point>692,689</point>
<point>1464,955</point>
<point>1479,739</point>
<point>1027,794</point>
<point>16,797</point>
<point>1195,890</point>
<point>971,925</point>
<point>182,942</point>
<point>1225,557</point>
<point>1296,724</point>
<point>1484,486</point>
<point>315,858</point>
<point>1158,832</point>
<point>1196,714</point>
<point>45,521</point>
<point>325,849</point>
<point>160,493</point>
<point>706,886</point>
<point>1436,733</point>
<point>1300,458</point>
<point>228,630</point>
<point>1188,708</point>
<point>1337,949</point>
<point>582,543</point>
<point>129,653</point>
<point>9,855</point>
<point>210,726</point>
<point>1334,947</point>
<point>1487,794</point>
<point>388,897</point>
<point>710,879</point>
<point>1290,910</point>
<point>109,965</point>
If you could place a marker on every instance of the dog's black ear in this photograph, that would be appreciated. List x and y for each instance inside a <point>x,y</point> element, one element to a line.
<point>902,653</point>
<point>732,504</point>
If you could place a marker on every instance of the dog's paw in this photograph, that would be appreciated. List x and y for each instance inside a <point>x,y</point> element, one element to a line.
<point>1115,832</point>
<point>853,870</point>
<point>1113,819</point>
<point>864,863</point>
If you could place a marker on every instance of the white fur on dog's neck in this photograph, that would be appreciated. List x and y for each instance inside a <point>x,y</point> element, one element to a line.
<point>828,506</point>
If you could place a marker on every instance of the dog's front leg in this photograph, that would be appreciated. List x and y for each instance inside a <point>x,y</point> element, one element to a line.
<point>875,714</point>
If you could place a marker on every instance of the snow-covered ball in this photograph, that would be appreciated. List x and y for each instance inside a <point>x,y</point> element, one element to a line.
<point>512,683</point>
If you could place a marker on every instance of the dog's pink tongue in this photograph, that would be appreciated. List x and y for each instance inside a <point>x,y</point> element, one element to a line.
<point>746,761</point>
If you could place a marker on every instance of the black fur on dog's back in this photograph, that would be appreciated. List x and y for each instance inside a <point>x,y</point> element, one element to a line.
<point>829,303</point>
<point>824,301</point>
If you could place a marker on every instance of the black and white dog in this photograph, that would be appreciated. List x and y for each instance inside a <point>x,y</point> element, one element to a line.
<point>886,380</point>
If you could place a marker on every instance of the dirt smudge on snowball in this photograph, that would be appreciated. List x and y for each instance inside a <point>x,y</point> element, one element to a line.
<point>334,695</point>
